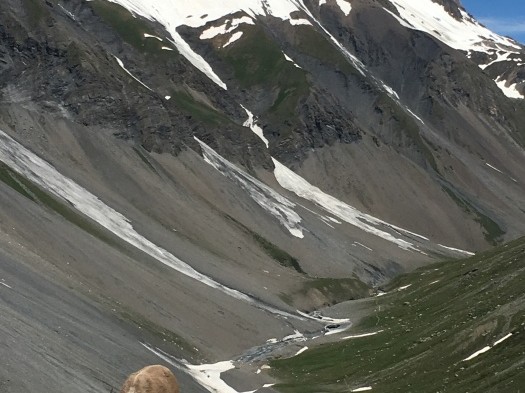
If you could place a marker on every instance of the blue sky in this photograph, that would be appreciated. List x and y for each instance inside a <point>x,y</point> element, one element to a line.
<point>506,17</point>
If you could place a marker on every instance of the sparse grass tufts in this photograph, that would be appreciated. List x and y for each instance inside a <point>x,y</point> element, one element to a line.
<point>34,193</point>
<point>492,231</point>
<point>450,311</point>
<point>271,249</point>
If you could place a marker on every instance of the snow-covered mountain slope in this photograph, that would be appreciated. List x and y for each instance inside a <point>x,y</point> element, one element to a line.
<point>466,34</point>
<point>173,13</point>
<point>463,33</point>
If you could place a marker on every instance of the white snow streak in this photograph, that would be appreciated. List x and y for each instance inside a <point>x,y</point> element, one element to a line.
<point>296,184</point>
<point>361,335</point>
<point>391,91</point>
<point>271,201</point>
<point>487,348</point>
<point>288,58</point>
<point>121,64</point>
<point>493,167</point>
<point>503,339</point>
<point>362,245</point>
<point>476,354</point>
<point>29,165</point>
<point>251,124</point>
<point>146,35</point>
<point>457,250</point>
<point>5,285</point>
<point>365,389</point>
<point>302,350</point>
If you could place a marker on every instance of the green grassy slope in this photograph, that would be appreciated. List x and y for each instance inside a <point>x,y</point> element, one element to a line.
<point>450,311</point>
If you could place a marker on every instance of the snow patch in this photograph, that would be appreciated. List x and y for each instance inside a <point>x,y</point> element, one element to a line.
<point>68,13</point>
<point>288,58</point>
<point>296,184</point>
<point>503,339</point>
<point>510,90</point>
<point>302,350</point>
<point>214,31</point>
<point>345,6</point>
<point>206,375</point>
<point>362,335</point>
<point>457,250</point>
<point>300,22</point>
<point>476,354</point>
<point>464,34</point>
<point>493,167</point>
<point>391,92</point>
<point>121,64</point>
<point>364,389</point>
<point>487,348</point>
<point>271,201</point>
<point>501,56</point>
<point>235,36</point>
<point>146,35</point>
<point>251,124</point>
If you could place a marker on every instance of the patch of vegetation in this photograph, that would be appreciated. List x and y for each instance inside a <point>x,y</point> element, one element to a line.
<point>198,110</point>
<point>130,28</point>
<point>338,289</point>
<point>276,253</point>
<point>257,60</point>
<point>271,249</point>
<point>446,312</point>
<point>492,231</point>
<point>11,179</point>
<point>313,43</point>
<point>35,11</point>
<point>34,193</point>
